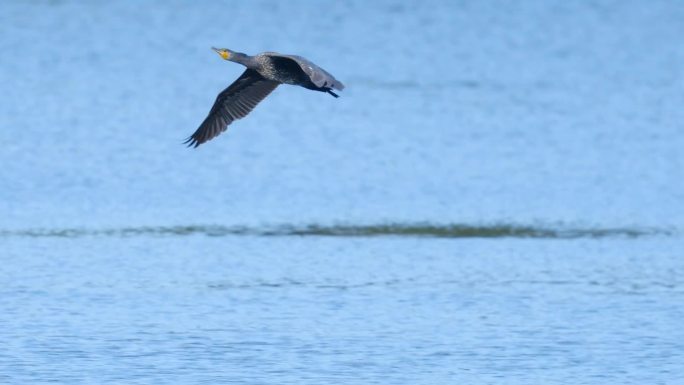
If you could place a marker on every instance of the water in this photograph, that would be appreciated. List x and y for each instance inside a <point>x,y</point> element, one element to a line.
<point>496,196</point>
<point>248,309</point>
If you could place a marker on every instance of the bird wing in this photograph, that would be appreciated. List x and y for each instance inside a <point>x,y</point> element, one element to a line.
<point>233,103</point>
<point>318,76</point>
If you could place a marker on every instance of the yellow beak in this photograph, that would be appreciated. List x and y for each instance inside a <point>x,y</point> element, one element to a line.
<point>223,53</point>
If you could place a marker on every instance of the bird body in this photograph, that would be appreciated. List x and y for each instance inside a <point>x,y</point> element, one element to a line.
<point>264,73</point>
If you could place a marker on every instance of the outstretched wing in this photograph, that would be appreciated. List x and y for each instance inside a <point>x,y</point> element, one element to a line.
<point>318,76</point>
<point>233,103</point>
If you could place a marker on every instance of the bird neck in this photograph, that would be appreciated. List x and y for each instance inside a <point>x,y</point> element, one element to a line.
<point>245,60</point>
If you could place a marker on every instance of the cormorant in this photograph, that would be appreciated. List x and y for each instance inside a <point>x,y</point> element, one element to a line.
<point>264,73</point>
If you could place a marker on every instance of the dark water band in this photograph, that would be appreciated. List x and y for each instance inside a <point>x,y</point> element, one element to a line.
<point>347,230</point>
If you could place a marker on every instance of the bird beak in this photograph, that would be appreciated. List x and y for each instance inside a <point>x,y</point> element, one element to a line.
<point>224,54</point>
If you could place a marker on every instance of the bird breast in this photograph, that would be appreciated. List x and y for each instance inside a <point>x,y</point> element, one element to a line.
<point>281,70</point>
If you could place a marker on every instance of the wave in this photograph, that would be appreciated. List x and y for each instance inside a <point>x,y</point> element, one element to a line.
<point>350,230</point>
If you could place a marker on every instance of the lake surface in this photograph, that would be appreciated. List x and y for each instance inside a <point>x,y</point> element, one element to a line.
<point>496,197</point>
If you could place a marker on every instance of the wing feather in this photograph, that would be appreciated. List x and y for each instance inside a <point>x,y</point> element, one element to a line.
<point>318,76</point>
<point>233,103</point>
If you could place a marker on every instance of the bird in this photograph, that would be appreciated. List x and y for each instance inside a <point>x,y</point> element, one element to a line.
<point>264,73</point>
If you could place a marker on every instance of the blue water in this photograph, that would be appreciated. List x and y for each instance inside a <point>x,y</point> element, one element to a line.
<point>496,197</point>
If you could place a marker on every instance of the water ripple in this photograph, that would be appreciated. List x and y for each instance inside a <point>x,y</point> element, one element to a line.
<point>347,230</point>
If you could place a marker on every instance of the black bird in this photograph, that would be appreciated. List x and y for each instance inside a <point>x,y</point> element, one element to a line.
<point>264,73</point>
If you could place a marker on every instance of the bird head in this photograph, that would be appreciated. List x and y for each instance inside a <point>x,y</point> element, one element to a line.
<point>223,52</point>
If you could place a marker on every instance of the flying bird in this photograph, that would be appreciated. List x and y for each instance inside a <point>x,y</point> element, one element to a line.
<point>264,73</point>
